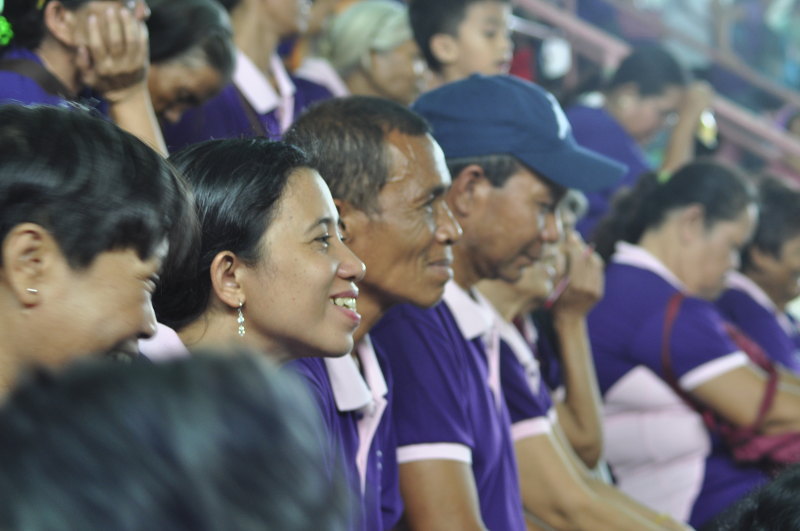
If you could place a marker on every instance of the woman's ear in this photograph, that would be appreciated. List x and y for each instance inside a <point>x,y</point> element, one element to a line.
<point>31,258</point>
<point>226,278</point>
<point>61,23</point>
<point>691,223</point>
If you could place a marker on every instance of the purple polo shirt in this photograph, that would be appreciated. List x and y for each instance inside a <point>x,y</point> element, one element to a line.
<point>355,407</point>
<point>659,448</point>
<point>597,130</point>
<point>546,355</point>
<point>225,115</point>
<point>448,403</point>
<point>529,404</point>
<point>747,306</point>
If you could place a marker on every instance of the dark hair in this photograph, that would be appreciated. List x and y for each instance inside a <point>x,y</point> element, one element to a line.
<point>208,443</point>
<point>497,168</point>
<point>773,506</point>
<point>238,184</point>
<point>778,221</point>
<point>721,190</point>
<point>28,22</point>
<point>180,26</point>
<point>429,18</point>
<point>346,141</point>
<point>95,187</point>
<point>652,69</point>
<point>229,5</point>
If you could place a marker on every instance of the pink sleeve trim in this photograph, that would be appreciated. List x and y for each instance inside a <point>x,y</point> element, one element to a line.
<point>710,370</point>
<point>424,452</point>
<point>531,427</point>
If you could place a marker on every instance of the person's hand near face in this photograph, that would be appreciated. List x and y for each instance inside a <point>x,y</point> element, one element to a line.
<point>584,268</point>
<point>113,48</point>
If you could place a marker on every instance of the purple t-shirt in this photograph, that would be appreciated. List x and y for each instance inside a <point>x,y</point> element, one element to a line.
<point>597,130</point>
<point>658,447</point>
<point>224,116</point>
<point>746,305</point>
<point>445,407</point>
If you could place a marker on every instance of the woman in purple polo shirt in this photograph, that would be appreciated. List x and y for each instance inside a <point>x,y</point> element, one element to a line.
<point>678,234</point>
<point>756,298</point>
<point>60,51</point>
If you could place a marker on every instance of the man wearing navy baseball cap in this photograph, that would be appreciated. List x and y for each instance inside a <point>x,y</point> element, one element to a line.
<point>511,154</point>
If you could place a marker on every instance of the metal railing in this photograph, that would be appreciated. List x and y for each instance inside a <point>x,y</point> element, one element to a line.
<point>740,126</point>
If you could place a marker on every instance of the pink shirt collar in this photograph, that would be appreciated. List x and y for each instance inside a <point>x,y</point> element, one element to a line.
<point>164,345</point>
<point>476,317</point>
<point>366,394</point>
<point>258,91</point>
<point>633,255</point>
<point>741,282</point>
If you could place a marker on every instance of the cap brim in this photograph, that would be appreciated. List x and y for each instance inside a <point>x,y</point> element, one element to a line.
<point>577,167</point>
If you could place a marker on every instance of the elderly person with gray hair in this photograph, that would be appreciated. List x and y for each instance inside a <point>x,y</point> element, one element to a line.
<point>371,47</point>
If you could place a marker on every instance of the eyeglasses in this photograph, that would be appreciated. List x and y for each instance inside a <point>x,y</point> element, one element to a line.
<point>130,5</point>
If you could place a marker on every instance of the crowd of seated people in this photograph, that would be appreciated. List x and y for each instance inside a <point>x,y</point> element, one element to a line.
<point>375,311</point>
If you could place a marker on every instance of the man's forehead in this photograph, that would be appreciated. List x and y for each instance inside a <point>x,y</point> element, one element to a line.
<point>416,159</point>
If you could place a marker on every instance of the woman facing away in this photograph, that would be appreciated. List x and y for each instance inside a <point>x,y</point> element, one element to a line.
<point>679,234</point>
<point>88,216</point>
<point>63,51</point>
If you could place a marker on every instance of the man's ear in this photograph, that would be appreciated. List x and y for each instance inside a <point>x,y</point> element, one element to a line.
<point>227,272</point>
<point>465,191</point>
<point>444,48</point>
<point>354,221</point>
<point>61,23</point>
<point>30,259</point>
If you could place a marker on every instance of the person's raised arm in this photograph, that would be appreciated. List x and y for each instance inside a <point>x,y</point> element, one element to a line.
<point>680,148</point>
<point>579,413</point>
<point>113,60</point>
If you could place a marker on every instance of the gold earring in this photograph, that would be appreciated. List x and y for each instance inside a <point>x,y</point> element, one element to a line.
<point>240,320</point>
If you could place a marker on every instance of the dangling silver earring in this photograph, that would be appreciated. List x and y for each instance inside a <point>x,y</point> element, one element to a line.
<point>240,320</point>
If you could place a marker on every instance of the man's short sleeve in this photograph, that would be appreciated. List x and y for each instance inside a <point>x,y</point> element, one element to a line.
<point>423,348</point>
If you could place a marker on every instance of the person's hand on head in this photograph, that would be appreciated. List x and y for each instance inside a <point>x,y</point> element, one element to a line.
<point>584,270</point>
<point>113,52</point>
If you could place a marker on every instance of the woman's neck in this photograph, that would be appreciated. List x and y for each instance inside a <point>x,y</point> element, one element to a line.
<point>60,61</point>
<point>219,331</point>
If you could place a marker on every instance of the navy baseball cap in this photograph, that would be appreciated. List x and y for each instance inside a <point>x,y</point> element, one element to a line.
<point>495,115</point>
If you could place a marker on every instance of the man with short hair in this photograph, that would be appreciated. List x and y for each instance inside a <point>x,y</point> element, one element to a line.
<point>388,178</point>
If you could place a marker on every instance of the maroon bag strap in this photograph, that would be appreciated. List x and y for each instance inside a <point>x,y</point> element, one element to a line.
<point>753,351</point>
<point>673,306</point>
<point>39,74</point>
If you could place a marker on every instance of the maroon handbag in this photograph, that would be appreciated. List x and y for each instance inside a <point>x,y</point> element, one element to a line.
<point>747,445</point>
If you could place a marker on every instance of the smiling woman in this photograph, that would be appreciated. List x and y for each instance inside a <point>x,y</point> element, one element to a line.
<point>87,216</point>
<point>191,54</point>
<point>271,258</point>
